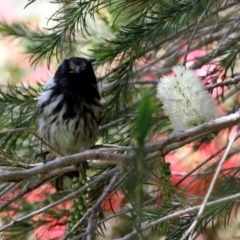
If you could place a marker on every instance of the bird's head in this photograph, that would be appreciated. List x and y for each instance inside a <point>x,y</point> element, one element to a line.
<point>75,72</point>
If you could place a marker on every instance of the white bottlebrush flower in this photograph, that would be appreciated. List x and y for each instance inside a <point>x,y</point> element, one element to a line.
<point>185,100</point>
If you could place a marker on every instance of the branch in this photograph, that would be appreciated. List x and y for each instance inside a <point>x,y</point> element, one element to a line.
<point>101,177</point>
<point>210,189</point>
<point>169,143</point>
<point>180,213</point>
<point>231,81</point>
<point>17,130</point>
<point>205,128</point>
<point>16,176</point>
<point>30,187</point>
<point>95,208</point>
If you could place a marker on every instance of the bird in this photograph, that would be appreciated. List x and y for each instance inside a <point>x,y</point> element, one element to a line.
<point>70,110</point>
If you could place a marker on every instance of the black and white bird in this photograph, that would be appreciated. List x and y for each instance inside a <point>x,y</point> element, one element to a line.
<point>70,108</point>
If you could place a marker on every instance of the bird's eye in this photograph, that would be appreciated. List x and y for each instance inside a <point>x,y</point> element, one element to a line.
<point>83,65</point>
<point>72,65</point>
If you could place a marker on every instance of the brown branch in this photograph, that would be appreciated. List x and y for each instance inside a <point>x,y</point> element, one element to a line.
<point>205,128</point>
<point>30,187</point>
<point>165,145</point>
<point>64,199</point>
<point>92,213</point>
<point>180,213</point>
<point>16,176</point>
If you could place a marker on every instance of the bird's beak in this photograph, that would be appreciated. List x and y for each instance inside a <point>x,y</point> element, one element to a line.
<point>77,69</point>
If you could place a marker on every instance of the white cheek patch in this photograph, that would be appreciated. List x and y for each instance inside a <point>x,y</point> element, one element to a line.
<point>44,96</point>
<point>49,84</point>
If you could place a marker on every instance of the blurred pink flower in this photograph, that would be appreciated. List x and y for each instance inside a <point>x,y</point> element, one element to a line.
<point>40,193</point>
<point>52,230</point>
<point>208,72</point>
<point>8,11</point>
<point>113,202</point>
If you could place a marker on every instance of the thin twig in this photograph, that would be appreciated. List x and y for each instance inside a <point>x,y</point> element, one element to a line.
<point>64,199</point>
<point>27,188</point>
<point>55,151</point>
<point>7,188</point>
<point>199,166</point>
<point>95,209</point>
<point>89,211</point>
<point>17,130</point>
<point>231,81</point>
<point>111,123</point>
<point>192,35</point>
<point>210,188</point>
<point>180,213</point>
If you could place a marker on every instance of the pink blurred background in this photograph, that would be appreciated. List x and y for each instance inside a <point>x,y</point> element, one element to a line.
<point>14,64</point>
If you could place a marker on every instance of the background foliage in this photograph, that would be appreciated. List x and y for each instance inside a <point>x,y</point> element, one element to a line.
<point>131,44</point>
